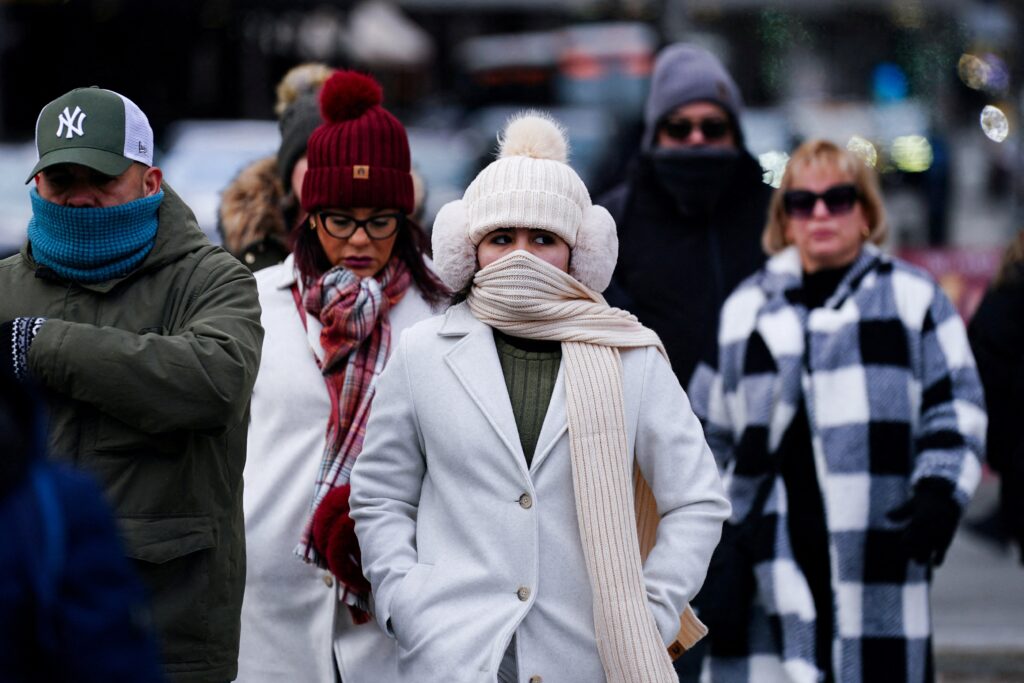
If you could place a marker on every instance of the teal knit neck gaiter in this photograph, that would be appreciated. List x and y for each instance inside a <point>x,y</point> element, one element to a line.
<point>92,244</point>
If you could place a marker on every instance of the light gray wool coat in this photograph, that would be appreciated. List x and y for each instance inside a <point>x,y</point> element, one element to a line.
<point>466,546</point>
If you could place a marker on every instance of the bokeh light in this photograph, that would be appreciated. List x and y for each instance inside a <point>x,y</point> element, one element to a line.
<point>974,71</point>
<point>994,123</point>
<point>998,74</point>
<point>912,153</point>
<point>863,148</point>
<point>987,72</point>
<point>773,165</point>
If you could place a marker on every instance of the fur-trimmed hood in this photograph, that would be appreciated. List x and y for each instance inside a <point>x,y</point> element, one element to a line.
<point>251,207</point>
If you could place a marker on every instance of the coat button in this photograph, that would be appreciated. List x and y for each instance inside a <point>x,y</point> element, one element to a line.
<point>525,501</point>
<point>328,580</point>
<point>523,593</point>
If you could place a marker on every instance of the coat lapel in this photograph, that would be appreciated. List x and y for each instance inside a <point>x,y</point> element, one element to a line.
<point>555,424</point>
<point>474,360</point>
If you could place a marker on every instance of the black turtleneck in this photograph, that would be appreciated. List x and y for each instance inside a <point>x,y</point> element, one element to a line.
<point>806,510</point>
<point>821,284</point>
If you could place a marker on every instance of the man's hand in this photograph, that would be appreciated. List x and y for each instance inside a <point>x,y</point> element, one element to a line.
<point>15,339</point>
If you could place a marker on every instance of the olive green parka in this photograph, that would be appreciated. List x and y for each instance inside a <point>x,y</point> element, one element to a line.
<point>149,378</point>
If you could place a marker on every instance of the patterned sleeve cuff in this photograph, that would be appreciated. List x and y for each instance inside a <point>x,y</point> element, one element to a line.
<point>24,331</point>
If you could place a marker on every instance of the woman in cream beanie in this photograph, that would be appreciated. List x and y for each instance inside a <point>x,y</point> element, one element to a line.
<point>494,497</point>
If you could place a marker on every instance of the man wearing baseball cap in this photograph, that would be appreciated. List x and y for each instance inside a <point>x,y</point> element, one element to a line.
<point>147,340</point>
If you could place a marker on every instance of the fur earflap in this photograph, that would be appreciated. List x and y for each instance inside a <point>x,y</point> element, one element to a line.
<point>347,95</point>
<point>536,135</point>
<point>597,249</point>
<point>454,253</point>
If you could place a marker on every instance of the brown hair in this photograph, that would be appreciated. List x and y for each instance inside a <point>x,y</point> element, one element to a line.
<point>817,153</point>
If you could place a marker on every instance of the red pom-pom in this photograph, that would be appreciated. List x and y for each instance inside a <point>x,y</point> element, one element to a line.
<point>347,95</point>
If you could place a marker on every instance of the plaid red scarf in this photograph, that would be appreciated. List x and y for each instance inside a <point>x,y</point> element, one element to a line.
<point>356,341</point>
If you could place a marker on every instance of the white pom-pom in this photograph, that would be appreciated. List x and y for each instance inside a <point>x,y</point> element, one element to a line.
<point>536,135</point>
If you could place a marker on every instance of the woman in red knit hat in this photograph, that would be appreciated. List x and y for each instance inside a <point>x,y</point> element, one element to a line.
<point>332,312</point>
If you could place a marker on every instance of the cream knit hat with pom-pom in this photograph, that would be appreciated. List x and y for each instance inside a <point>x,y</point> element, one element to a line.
<point>530,185</point>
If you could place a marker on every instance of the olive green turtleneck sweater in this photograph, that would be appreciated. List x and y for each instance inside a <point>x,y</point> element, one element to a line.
<point>530,367</point>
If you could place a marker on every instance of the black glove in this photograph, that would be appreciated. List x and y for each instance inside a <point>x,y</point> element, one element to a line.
<point>725,602</point>
<point>15,339</point>
<point>934,515</point>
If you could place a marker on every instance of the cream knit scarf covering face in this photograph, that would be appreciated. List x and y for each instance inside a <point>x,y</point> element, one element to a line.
<point>524,296</point>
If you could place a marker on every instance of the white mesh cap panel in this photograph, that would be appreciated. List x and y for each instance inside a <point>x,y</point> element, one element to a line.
<point>138,136</point>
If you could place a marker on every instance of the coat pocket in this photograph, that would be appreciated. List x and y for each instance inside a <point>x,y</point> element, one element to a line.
<point>173,556</point>
<point>405,599</point>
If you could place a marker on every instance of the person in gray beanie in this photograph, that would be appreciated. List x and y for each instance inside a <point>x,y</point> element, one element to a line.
<point>691,208</point>
<point>689,79</point>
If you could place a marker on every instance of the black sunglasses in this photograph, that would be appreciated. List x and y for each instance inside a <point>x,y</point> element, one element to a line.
<point>343,226</point>
<point>839,200</point>
<point>712,129</point>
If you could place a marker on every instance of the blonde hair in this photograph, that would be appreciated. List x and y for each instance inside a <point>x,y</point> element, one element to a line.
<point>819,153</point>
<point>301,79</point>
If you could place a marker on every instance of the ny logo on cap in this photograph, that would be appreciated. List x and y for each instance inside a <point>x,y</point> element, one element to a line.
<point>68,119</point>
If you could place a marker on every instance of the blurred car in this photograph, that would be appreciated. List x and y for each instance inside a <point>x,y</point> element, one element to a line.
<point>16,160</point>
<point>445,160</point>
<point>203,156</point>
<point>512,67</point>
<point>607,65</point>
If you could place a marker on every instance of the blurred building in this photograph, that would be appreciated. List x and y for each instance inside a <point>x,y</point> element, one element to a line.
<point>883,74</point>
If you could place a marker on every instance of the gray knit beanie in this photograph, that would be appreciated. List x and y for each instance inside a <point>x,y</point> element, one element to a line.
<point>683,74</point>
<point>297,123</point>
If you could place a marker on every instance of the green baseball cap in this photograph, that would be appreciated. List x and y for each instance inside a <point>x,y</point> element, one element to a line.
<point>93,127</point>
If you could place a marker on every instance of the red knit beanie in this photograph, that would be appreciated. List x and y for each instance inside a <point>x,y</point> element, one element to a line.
<point>359,156</point>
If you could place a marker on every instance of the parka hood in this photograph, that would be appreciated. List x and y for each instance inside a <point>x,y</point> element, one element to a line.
<point>251,207</point>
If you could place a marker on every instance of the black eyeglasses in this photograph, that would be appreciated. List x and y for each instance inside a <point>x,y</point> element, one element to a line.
<point>714,128</point>
<point>343,226</point>
<point>839,200</point>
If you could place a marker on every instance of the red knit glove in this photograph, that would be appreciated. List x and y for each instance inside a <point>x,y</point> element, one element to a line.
<point>334,537</point>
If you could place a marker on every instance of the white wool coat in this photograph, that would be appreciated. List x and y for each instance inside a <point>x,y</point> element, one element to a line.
<point>292,619</point>
<point>466,546</point>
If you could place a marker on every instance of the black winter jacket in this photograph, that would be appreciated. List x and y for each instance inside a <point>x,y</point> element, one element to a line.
<point>997,340</point>
<point>676,267</point>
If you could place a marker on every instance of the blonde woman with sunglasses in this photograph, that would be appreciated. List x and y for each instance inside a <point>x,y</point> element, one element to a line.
<point>848,419</point>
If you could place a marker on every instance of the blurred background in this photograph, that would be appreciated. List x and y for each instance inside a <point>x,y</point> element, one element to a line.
<point>929,91</point>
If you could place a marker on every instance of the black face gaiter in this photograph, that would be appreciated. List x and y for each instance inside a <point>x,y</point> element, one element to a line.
<point>695,178</point>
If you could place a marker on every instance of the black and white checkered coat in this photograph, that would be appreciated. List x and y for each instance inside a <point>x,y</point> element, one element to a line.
<point>892,395</point>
